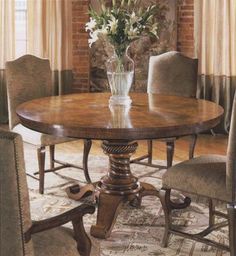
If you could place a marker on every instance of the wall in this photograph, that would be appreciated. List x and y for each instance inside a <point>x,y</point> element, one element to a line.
<point>81,55</point>
<point>89,64</point>
<point>185,27</point>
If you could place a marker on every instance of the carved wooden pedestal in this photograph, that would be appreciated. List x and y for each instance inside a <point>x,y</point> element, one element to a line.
<point>118,186</point>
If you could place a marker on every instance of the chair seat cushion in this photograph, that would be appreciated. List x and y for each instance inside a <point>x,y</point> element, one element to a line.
<point>55,242</point>
<point>204,175</point>
<point>37,138</point>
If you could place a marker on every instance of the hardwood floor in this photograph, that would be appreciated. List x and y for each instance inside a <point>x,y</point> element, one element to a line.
<point>206,144</point>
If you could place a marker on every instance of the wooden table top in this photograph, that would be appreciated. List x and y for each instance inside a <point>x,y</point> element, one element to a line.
<point>87,115</point>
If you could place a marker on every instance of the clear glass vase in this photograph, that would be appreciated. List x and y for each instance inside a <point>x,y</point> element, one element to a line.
<point>120,74</point>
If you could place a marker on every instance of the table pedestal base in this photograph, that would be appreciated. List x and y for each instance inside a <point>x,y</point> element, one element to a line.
<point>109,206</point>
<point>118,187</point>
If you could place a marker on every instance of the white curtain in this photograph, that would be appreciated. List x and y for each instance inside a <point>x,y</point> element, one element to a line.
<point>50,36</point>
<point>7,48</point>
<point>215,39</point>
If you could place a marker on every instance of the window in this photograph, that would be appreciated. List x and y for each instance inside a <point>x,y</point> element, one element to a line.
<point>20,27</point>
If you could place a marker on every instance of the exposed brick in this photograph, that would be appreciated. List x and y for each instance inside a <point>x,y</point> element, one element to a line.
<point>80,49</point>
<point>185,43</point>
<point>186,7</point>
<point>189,38</point>
<point>187,20</point>
<point>185,26</point>
<point>187,14</point>
<point>189,2</point>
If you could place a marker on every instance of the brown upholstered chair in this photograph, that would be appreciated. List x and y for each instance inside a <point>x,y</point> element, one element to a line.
<point>171,73</point>
<point>210,176</point>
<point>19,236</point>
<point>30,77</point>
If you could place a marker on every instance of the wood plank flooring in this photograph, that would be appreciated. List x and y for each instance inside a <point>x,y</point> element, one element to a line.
<point>206,144</point>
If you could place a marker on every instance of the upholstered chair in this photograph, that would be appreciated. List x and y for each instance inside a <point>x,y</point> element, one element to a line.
<point>171,73</point>
<point>210,176</point>
<point>19,236</point>
<point>28,78</point>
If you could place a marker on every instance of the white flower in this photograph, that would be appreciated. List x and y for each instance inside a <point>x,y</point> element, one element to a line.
<point>154,28</point>
<point>113,23</point>
<point>122,25</point>
<point>90,25</point>
<point>133,18</point>
<point>103,30</point>
<point>93,37</point>
<point>132,32</point>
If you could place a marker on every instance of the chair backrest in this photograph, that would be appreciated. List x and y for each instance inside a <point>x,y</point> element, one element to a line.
<point>231,154</point>
<point>28,78</point>
<point>14,200</point>
<point>173,73</point>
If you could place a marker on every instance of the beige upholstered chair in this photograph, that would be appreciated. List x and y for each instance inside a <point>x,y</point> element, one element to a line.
<point>29,77</point>
<point>211,176</point>
<point>19,236</point>
<point>171,73</point>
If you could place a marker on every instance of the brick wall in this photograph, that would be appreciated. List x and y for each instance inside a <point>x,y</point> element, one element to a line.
<point>81,67</point>
<point>80,46</point>
<point>185,27</point>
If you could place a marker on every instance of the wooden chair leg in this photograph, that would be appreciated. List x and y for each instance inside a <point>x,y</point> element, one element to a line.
<point>211,213</point>
<point>149,144</point>
<point>164,195</point>
<point>83,241</point>
<point>87,147</point>
<point>170,146</point>
<point>41,162</point>
<point>192,145</point>
<point>52,156</point>
<point>231,208</point>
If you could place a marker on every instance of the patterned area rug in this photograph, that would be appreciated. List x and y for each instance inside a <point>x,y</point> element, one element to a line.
<point>137,232</point>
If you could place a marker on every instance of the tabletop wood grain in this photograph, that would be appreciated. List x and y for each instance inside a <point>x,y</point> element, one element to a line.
<point>88,115</point>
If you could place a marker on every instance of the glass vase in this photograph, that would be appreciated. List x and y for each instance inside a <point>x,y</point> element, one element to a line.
<point>120,74</point>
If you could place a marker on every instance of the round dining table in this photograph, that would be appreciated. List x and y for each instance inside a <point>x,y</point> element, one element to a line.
<point>89,116</point>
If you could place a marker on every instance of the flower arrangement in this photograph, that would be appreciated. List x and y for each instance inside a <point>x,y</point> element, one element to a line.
<point>124,22</point>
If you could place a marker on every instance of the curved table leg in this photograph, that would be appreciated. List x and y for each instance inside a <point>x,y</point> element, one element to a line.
<point>149,190</point>
<point>109,206</point>
<point>108,209</point>
<point>146,190</point>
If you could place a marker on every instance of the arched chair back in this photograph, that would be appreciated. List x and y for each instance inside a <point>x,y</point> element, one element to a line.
<point>28,78</point>
<point>173,73</point>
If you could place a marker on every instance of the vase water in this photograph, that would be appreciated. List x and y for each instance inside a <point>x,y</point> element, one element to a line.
<point>120,74</point>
